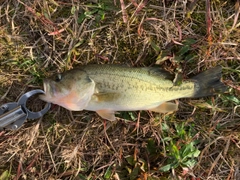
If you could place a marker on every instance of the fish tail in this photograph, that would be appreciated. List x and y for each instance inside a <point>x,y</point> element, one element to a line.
<point>209,82</point>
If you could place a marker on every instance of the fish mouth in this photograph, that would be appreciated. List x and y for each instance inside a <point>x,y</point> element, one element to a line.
<point>49,90</point>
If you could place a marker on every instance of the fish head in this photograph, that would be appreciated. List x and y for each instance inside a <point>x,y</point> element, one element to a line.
<point>71,90</point>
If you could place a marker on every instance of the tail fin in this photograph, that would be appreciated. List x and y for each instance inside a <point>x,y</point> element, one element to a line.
<point>208,82</point>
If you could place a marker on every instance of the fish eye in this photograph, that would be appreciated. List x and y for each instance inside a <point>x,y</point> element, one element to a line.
<point>58,78</point>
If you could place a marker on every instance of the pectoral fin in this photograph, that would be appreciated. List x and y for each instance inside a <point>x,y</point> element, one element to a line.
<point>105,97</point>
<point>107,114</point>
<point>165,107</point>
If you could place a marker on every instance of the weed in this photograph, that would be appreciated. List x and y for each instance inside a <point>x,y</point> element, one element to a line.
<point>181,148</point>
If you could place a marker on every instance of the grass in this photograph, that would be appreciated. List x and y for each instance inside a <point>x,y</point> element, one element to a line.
<point>200,141</point>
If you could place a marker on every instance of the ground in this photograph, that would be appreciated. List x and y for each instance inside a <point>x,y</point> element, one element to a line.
<point>199,141</point>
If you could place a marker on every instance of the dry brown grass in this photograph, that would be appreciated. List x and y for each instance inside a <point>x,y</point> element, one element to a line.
<point>40,38</point>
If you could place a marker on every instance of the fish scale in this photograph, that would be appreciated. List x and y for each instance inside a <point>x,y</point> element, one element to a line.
<point>141,83</point>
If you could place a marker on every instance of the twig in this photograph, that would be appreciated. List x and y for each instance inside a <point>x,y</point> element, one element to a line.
<point>179,30</point>
<point>209,22</point>
<point>141,6</point>
<point>6,93</point>
<point>237,11</point>
<point>49,150</point>
<point>214,163</point>
<point>105,132</point>
<point>124,13</point>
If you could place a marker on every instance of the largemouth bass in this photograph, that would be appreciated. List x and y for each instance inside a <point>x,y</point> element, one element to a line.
<point>109,88</point>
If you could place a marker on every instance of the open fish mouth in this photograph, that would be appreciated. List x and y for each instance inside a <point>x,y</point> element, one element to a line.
<point>49,90</point>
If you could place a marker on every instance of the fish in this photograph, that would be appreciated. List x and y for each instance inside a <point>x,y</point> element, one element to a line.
<point>106,89</point>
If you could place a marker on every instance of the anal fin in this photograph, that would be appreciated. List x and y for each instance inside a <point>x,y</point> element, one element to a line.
<point>165,107</point>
